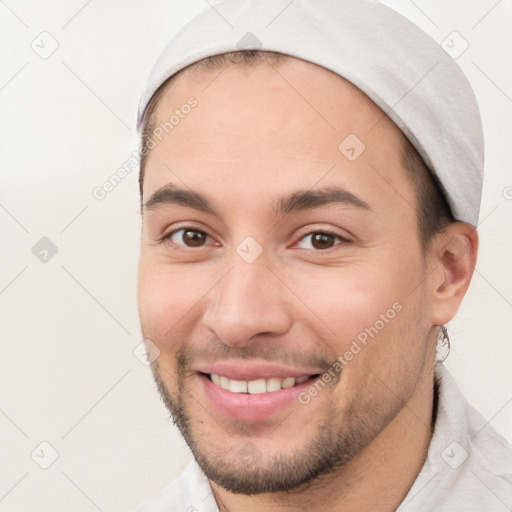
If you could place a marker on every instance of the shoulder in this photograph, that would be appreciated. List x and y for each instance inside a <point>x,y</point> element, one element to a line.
<point>472,436</point>
<point>190,492</point>
<point>469,465</point>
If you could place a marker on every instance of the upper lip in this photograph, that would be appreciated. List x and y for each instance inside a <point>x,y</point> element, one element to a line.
<point>254,371</point>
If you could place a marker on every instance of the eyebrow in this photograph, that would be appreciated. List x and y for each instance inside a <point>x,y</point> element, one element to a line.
<point>297,201</point>
<point>171,194</point>
<point>310,199</point>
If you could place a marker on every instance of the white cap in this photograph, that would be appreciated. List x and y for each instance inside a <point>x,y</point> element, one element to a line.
<point>405,72</point>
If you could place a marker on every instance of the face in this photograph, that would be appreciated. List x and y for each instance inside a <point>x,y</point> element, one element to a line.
<point>281,273</point>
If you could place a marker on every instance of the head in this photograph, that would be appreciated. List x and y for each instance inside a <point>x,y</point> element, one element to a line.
<point>290,229</point>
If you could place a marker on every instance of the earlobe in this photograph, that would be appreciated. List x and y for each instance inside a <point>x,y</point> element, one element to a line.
<point>455,259</point>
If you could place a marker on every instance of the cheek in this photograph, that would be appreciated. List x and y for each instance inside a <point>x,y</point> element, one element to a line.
<point>168,300</point>
<point>345,302</point>
<point>376,329</point>
<point>360,301</point>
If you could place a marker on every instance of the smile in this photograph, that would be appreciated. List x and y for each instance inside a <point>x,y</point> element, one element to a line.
<point>257,386</point>
<point>252,391</point>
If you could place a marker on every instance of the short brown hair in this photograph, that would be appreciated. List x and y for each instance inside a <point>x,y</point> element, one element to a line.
<point>433,212</point>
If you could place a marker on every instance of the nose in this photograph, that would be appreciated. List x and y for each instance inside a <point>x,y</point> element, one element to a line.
<point>249,301</point>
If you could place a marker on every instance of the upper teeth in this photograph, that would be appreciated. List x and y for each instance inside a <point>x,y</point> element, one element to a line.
<point>255,387</point>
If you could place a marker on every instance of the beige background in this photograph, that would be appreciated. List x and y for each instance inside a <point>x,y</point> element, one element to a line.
<point>68,375</point>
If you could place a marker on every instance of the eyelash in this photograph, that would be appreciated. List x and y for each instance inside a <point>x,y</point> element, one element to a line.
<point>168,236</point>
<point>340,239</point>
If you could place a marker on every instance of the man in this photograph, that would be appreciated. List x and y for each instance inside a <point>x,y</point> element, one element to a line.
<point>310,189</point>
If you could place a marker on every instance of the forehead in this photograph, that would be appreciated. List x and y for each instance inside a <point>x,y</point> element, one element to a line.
<point>269,124</point>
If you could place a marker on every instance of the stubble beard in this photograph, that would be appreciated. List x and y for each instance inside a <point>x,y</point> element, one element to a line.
<point>337,438</point>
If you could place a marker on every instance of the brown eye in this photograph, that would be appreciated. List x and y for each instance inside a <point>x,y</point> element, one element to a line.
<point>319,241</point>
<point>189,237</point>
<point>322,240</point>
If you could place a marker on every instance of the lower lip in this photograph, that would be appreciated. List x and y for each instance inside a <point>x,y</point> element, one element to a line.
<point>247,407</point>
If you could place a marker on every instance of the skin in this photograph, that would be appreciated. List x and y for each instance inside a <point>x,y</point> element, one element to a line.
<point>251,140</point>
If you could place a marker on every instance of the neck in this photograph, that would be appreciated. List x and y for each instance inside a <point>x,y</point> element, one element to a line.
<point>378,479</point>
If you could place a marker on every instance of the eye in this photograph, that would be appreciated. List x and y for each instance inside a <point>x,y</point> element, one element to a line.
<point>320,240</point>
<point>188,237</point>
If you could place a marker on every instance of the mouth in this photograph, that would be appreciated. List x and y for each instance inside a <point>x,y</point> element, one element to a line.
<point>253,392</point>
<point>257,386</point>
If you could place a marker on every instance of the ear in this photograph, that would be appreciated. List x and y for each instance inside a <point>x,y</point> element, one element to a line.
<point>453,261</point>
